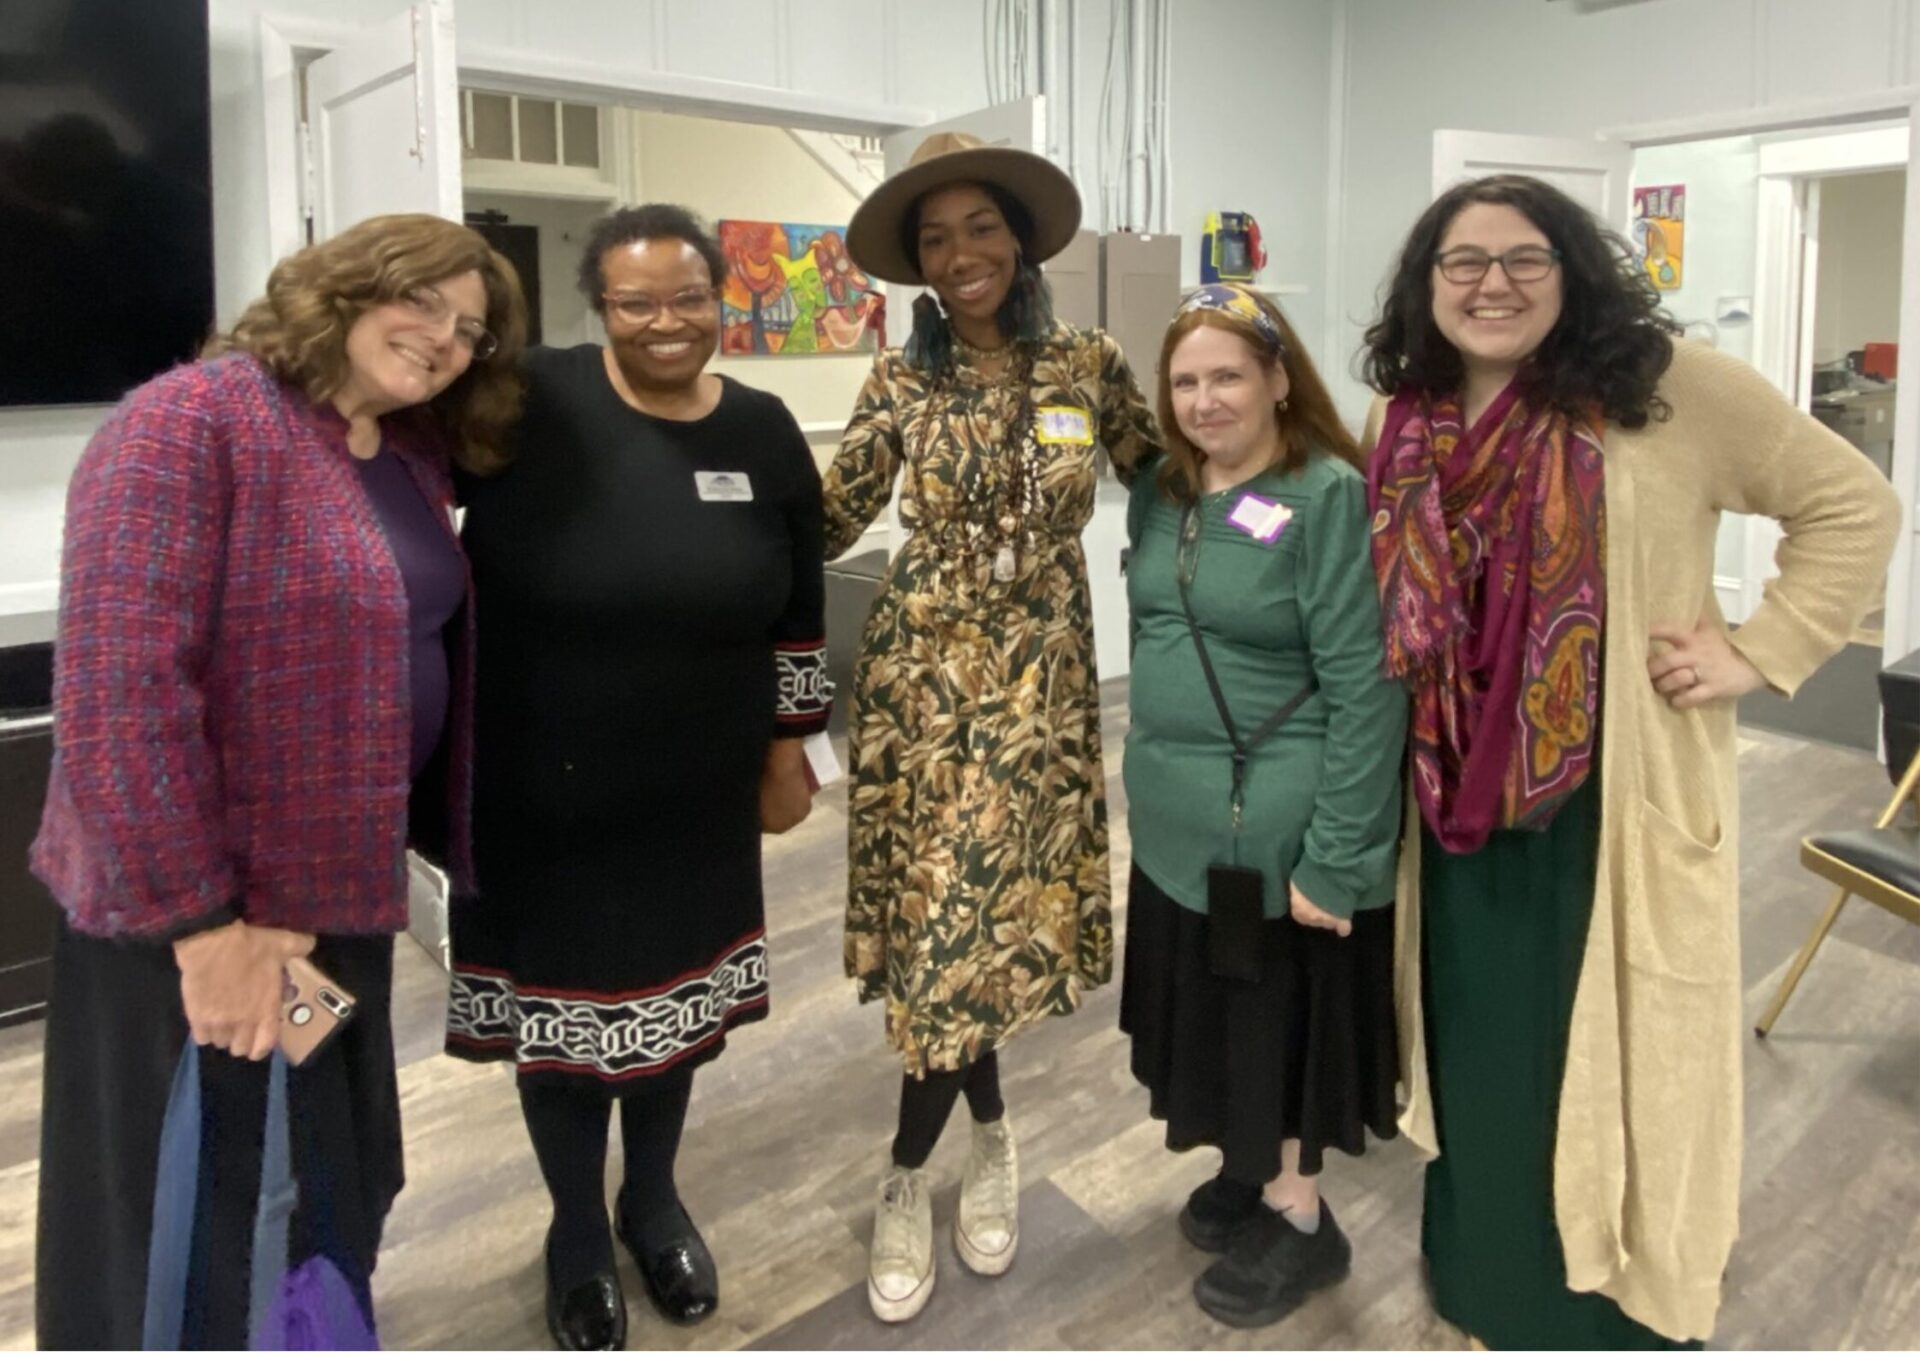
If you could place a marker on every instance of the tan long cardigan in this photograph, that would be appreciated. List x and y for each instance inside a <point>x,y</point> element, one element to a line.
<point>1647,1161</point>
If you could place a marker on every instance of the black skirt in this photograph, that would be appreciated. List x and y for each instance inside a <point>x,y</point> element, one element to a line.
<point>115,1030</point>
<point>1307,1052</point>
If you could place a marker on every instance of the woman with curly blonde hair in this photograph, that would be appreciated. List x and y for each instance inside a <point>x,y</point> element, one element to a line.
<point>261,698</point>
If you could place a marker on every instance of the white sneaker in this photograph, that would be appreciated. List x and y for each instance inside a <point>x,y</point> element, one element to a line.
<point>900,1265</point>
<point>987,1228</point>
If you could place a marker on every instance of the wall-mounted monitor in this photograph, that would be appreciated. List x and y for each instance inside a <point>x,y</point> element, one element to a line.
<point>106,202</point>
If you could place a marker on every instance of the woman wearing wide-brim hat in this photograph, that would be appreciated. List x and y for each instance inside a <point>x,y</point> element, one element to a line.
<point>978,898</point>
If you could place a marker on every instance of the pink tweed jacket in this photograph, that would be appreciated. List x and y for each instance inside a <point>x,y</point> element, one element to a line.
<point>231,701</point>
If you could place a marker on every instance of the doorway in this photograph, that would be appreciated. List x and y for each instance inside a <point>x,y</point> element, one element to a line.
<point>1785,249</point>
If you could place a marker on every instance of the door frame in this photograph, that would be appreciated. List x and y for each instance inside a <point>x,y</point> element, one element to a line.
<point>1903,101</point>
<point>1786,274</point>
<point>288,41</point>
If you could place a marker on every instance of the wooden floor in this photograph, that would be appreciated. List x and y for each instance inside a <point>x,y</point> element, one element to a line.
<point>789,1132</point>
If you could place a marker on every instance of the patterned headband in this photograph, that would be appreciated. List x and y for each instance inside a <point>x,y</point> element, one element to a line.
<point>1240,302</point>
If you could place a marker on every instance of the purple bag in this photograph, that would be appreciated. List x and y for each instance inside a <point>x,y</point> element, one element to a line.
<point>315,1310</point>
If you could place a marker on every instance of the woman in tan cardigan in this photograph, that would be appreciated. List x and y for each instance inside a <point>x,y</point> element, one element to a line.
<point>1548,470</point>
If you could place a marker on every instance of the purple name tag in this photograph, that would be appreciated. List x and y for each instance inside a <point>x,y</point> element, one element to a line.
<point>1260,519</point>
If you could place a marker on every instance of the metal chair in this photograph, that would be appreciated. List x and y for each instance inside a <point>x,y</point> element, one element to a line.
<point>1880,865</point>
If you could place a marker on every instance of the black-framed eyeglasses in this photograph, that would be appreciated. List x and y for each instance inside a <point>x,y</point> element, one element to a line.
<point>430,306</point>
<point>690,303</point>
<point>1521,264</point>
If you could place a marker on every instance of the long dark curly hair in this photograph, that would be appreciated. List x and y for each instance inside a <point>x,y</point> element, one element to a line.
<point>1609,348</point>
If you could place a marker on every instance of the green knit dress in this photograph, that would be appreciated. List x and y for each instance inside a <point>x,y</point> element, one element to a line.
<point>1503,935</point>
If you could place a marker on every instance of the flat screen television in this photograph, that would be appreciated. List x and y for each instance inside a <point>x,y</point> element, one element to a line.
<point>106,203</point>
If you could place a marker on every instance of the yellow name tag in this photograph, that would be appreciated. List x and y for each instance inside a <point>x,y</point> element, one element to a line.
<point>1064,424</point>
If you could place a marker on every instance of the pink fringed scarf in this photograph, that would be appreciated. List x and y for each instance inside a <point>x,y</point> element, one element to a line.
<point>1489,546</point>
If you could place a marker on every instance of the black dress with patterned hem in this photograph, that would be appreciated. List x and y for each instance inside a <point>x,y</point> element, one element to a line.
<point>649,600</point>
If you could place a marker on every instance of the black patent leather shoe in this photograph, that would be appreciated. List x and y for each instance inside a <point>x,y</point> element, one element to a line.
<point>680,1274</point>
<point>590,1316</point>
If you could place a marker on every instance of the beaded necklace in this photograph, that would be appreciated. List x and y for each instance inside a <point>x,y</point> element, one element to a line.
<point>1003,505</point>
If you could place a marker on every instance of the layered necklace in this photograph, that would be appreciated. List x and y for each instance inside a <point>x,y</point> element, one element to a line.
<point>1008,499</point>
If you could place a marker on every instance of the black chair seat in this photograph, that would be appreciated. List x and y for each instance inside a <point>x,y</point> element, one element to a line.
<point>1889,855</point>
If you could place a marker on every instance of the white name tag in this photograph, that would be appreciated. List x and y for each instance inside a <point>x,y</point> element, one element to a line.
<point>1260,519</point>
<point>724,487</point>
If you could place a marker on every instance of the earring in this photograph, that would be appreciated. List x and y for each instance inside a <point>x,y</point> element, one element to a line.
<point>1281,405</point>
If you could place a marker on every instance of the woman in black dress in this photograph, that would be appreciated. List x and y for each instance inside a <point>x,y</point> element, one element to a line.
<point>652,657</point>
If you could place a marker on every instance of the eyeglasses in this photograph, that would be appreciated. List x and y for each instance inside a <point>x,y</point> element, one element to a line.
<point>638,308</point>
<point>430,306</point>
<point>1521,264</point>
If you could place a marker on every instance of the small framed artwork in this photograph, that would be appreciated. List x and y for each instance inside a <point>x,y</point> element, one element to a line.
<point>793,290</point>
<point>1660,233</point>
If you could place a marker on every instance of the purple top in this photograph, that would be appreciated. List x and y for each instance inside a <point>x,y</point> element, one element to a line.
<point>436,587</point>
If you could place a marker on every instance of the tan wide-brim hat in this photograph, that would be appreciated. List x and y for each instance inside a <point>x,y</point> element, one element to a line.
<point>1043,188</point>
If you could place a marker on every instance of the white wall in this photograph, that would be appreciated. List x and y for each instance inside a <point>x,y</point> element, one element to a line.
<point>1251,85</point>
<point>1858,290</point>
<point>1566,69</point>
<point>38,451</point>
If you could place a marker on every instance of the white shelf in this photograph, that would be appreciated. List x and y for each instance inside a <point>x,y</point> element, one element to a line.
<point>1271,290</point>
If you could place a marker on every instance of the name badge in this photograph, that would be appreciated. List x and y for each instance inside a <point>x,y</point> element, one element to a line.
<point>724,487</point>
<point>1260,519</point>
<point>1064,424</point>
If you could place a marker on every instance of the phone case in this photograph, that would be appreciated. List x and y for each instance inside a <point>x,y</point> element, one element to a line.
<point>1235,912</point>
<point>313,1010</point>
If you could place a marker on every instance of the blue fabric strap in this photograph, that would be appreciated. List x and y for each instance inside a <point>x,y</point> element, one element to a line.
<point>278,1196</point>
<point>176,1188</point>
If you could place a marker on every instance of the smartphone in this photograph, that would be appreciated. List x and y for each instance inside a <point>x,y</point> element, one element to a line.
<point>1235,920</point>
<point>313,1009</point>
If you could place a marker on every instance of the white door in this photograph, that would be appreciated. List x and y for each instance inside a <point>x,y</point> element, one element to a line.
<point>1595,174</point>
<point>383,123</point>
<point>1903,585</point>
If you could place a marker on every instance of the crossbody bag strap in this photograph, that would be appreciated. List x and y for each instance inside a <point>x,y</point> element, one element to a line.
<point>1242,749</point>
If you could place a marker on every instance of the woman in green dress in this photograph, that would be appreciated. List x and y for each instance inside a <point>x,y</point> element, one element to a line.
<point>978,894</point>
<point>1548,469</point>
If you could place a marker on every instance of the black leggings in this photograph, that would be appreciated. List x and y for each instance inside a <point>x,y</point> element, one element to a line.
<point>568,1124</point>
<point>926,1103</point>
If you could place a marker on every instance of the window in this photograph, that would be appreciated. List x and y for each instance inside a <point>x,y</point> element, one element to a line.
<point>529,131</point>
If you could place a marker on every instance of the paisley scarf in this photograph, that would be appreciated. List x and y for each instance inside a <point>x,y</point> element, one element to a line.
<point>1489,546</point>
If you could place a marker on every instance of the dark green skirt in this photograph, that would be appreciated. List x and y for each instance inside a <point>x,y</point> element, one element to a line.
<point>1504,930</point>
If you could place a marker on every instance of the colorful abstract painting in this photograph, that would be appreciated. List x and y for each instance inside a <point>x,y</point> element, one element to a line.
<point>1660,233</point>
<point>793,290</point>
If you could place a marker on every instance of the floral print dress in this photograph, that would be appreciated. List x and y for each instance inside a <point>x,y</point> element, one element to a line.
<point>978,893</point>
